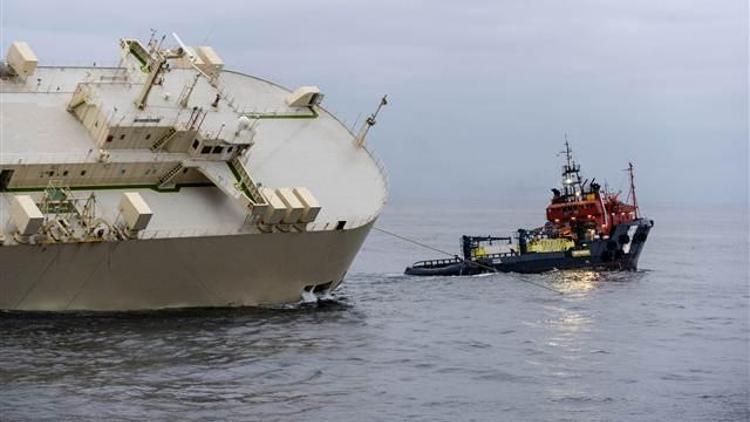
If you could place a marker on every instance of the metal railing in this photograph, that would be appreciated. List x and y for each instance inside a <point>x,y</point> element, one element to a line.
<point>432,263</point>
<point>244,228</point>
<point>483,260</point>
<point>383,173</point>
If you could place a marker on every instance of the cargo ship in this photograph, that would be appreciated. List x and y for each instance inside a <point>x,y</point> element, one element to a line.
<point>170,181</point>
<point>587,227</point>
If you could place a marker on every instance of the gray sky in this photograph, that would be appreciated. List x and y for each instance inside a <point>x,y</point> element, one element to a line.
<point>481,92</point>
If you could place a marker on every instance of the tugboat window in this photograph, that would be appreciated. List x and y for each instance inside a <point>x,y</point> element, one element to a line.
<point>206,150</point>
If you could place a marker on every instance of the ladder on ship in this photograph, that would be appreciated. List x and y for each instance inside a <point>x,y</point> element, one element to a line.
<point>247,184</point>
<point>166,178</point>
<point>162,141</point>
<point>233,179</point>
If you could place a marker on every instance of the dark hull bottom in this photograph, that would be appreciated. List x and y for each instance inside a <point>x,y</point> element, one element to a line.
<point>540,265</point>
<point>616,254</point>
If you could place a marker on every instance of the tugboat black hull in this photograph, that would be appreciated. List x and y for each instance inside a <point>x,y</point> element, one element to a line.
<point>620,252</point>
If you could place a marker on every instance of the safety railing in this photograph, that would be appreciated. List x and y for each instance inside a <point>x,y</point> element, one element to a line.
<point>432,263</point>
<point>245,228</point>
<point>92,156</point>
<point>383,173</point>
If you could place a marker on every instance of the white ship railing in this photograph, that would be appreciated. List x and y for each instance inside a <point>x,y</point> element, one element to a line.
<point>229,230</point>
<point>47,158</point>
<point>383,173</point>
<point>135,155</point>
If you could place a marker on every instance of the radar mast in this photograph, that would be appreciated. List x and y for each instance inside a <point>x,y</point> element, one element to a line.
<point>571,178</point>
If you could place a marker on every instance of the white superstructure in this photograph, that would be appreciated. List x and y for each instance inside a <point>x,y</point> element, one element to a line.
<point>169,181</point>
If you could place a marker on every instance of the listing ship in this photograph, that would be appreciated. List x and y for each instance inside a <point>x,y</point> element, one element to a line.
<point>168,181</point>
<point>587,227</point>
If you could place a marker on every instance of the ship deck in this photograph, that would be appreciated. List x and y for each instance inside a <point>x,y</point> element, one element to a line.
<point>291,147</point>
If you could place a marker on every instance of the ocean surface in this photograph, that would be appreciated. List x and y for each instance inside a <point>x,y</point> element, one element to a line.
<point>666,343</point>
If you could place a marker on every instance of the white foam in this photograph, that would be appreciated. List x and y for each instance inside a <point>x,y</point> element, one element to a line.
<point>308,297</point>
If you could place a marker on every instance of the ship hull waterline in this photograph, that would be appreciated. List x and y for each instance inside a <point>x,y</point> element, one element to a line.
<point>137,275</point>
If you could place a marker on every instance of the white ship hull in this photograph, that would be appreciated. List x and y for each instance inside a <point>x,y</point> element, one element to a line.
<point>241,270</point>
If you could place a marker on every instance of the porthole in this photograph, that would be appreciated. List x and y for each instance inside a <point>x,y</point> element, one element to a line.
<point>148,136</point>
<point>83,172</point>
<point>122,136</point>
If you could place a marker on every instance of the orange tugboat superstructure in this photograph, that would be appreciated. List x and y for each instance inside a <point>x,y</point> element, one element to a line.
<point>582,210</point>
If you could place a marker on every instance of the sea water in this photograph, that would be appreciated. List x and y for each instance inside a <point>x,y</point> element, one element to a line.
<point>668,342</point>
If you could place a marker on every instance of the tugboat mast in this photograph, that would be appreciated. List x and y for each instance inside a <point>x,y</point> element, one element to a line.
<point>631,193</point>
<point>571,179</point>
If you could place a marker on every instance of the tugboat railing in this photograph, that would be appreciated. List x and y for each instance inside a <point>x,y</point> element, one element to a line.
<point>437,262</point>
<point>431,263</point>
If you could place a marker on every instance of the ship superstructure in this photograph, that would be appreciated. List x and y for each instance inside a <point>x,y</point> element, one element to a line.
<point>169,181</point>
<point>582,209</point>
<point>586,227</point>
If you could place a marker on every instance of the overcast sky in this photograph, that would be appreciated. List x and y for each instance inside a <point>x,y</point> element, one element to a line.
<point>482,92</point>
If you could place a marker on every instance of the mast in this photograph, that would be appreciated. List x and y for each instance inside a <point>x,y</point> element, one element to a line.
<point>571,179</point>
<point>631,193</point>
<point>370,122</point>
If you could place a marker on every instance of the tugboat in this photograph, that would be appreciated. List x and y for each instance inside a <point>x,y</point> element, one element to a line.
<point>587,228</point>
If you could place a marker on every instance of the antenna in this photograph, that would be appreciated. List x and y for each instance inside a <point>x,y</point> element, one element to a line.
<point>152,38</point>
<point>157,63</point>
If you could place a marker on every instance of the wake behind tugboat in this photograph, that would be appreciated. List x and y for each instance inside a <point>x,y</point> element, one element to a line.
<point>586,228</point>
